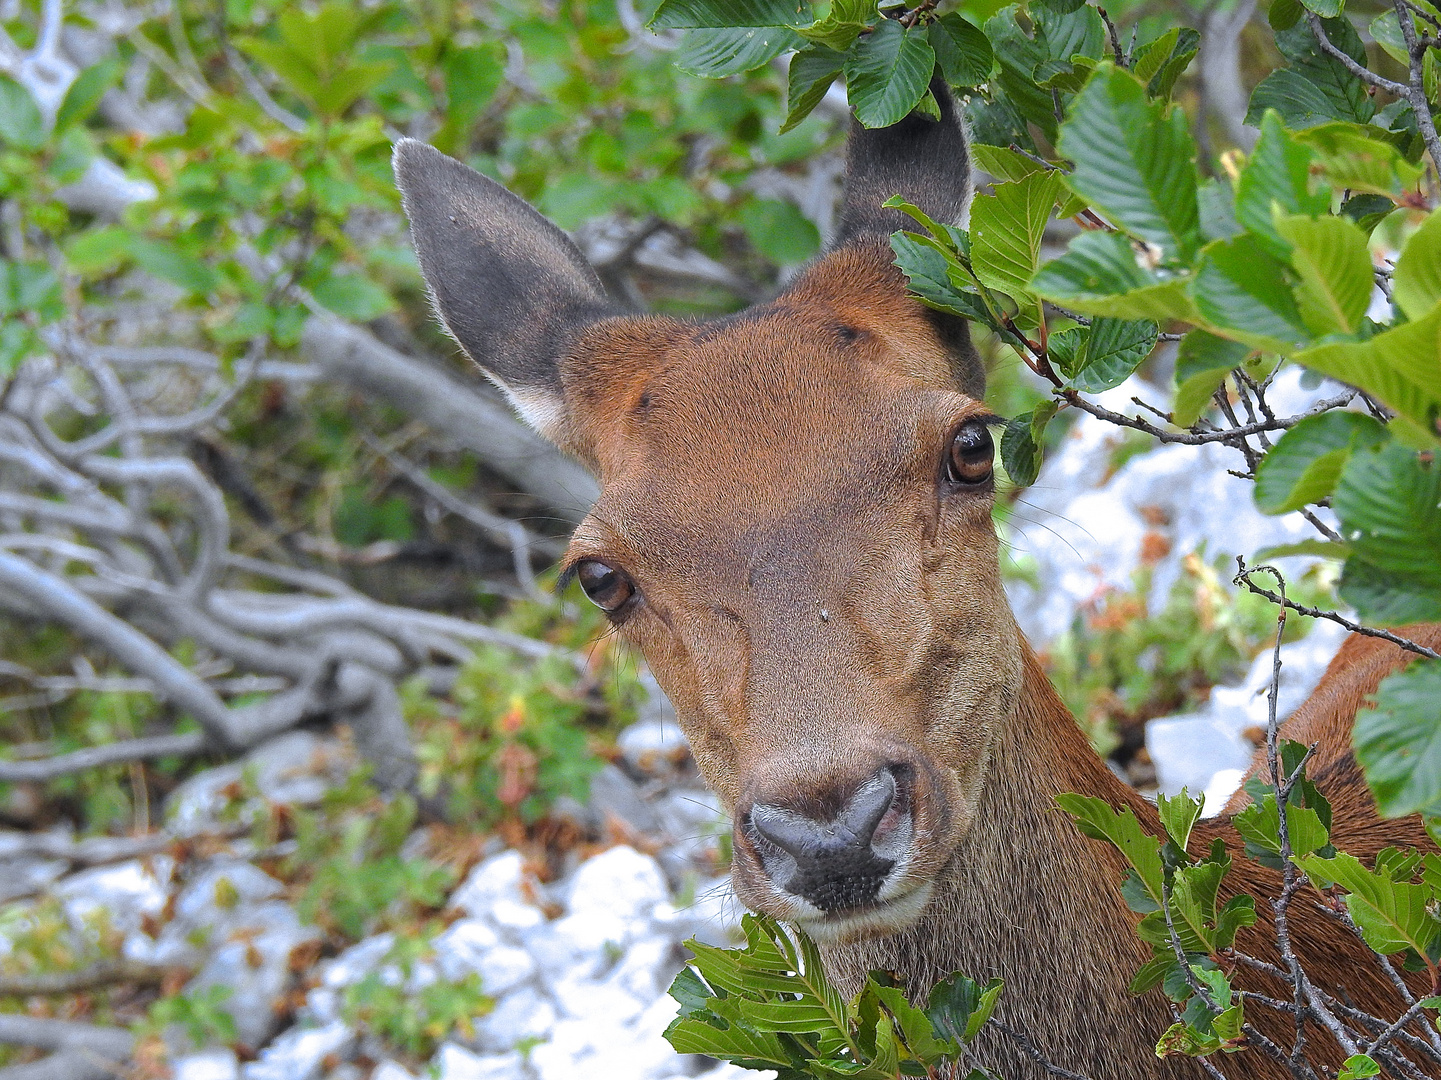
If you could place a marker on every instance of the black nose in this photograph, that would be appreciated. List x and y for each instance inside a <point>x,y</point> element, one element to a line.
<point>832,864</point>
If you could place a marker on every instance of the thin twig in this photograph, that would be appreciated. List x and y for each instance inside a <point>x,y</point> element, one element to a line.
<point>1242,578</point>
<point>1029,1048</point>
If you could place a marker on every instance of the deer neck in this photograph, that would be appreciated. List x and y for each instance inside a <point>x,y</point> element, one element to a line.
<point>1029,900</point>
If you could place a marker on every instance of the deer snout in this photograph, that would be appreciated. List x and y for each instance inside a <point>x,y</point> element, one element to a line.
<point>840,862</point>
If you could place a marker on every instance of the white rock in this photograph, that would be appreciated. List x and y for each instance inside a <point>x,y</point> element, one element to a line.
<point>596,1004</point>
<point>646,970</point>
<point>620,881</point>
<point>122,894</point>
<point>502,970</point>
<point>653,745</point>
<point>713,916</point>
<point>300,1053</point>
<point>565,1056</point>
<point>591,933</point>
<point>524,1014</point>
<point>222,886</point>
<point>209,1065</point>
<point>27,875</point>
<point>1189,750</point>
<point>358,961</point>
<point>456,1063</point>
<point>498,878</point>
<point>461,948</point>
<point>255,965</point>
<point>515,916</point>
<point>389,1070</point>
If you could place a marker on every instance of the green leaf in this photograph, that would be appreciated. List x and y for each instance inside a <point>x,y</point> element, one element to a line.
<point>842,24</point>
<point>1349,158</point>
<point>1004,163</point>
<point>20,122</point>
<point>1019,55</point>
<point>352,297</point>
<point>1161,62</point>
<point>165,260</point>
<point>693,1036</point>
<point>1283,14</point>
<point>811,73</point>
<point>30,289</point>
<point>1006,231</point>
<point>1098,821</point>
<point>1315,89</point>
<point>1398,741</point>
<point>1389,503</point>
<point>1179,814</point>
<point>1401,367</point>
<point>714,53</point>
<point>929,280</point>
<point>1332,257</point>
<point>1305,465</point>
<point>1241,291</point>
<point>1021,443</point>
<point>887,73</point>
<point>1358,1067</point>
<point>1134,162</point>
<point>1327,9</point>
<point>685,14</point>
<point>1323,548</point>
<point>85,93</point>
<point>1276,173</point>
<point>1114,348</point>
<point>1203,361</point>
<point>1392,916</point>
<point>1416,281</point>
<point>1099,275</point>
<point>1259,823</point>
<point>962,50</point>
<point>913,1025</point>
<point>779,231</point>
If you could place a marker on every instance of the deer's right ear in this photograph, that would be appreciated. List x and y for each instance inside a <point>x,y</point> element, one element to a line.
<point>509,286</point>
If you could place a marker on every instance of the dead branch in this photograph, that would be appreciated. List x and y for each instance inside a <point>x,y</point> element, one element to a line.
<point>456,410</point>
<point>92,977</point>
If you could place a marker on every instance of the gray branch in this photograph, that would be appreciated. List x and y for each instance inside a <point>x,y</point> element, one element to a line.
<point>455,410</point>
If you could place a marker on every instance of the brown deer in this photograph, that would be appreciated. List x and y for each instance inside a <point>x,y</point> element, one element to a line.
<point>795,529</point>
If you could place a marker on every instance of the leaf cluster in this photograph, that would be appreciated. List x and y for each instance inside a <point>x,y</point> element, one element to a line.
<point>769,1005</point>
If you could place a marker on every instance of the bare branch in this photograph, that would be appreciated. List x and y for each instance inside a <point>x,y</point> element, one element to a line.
<point>447,405</point>
<point>93,757</point>
<point>92,977</point>
<point>64,1035</point>
<point>1243,578</point>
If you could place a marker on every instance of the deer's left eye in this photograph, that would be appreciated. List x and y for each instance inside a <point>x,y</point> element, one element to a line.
<point>608,587</point>
<point>970,456</point>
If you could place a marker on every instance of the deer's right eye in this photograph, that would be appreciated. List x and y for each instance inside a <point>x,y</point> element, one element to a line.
<point>608,587</point>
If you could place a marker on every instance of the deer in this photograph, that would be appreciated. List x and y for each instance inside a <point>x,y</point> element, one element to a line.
<point>794,528</point>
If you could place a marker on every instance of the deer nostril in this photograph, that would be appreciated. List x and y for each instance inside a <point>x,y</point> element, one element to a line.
<point>833,864</point>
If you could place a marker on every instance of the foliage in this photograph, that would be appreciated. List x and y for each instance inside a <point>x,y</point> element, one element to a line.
<point>1393,903</point>
<point>1119,666</point>
<point>769,1005</point>
<point>201,1014</point>
<point>358,875</point>
<point>388,1002</point>
<point>1267,264</point>
<point>514,738</point>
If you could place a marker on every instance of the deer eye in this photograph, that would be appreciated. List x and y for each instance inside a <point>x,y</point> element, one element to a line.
<point>608,587</point>
<point>970,455</point>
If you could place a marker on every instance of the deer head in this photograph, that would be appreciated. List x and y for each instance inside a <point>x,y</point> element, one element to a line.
<point>794,524</point>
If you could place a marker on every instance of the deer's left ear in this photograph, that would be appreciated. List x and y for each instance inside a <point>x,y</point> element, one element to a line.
<point>510,287</point>
<point>927,162</point>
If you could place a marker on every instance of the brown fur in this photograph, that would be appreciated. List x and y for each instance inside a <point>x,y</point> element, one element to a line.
<point>820,603</point>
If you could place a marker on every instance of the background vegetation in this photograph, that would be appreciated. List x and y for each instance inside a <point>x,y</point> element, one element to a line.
<point>211,311</point>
